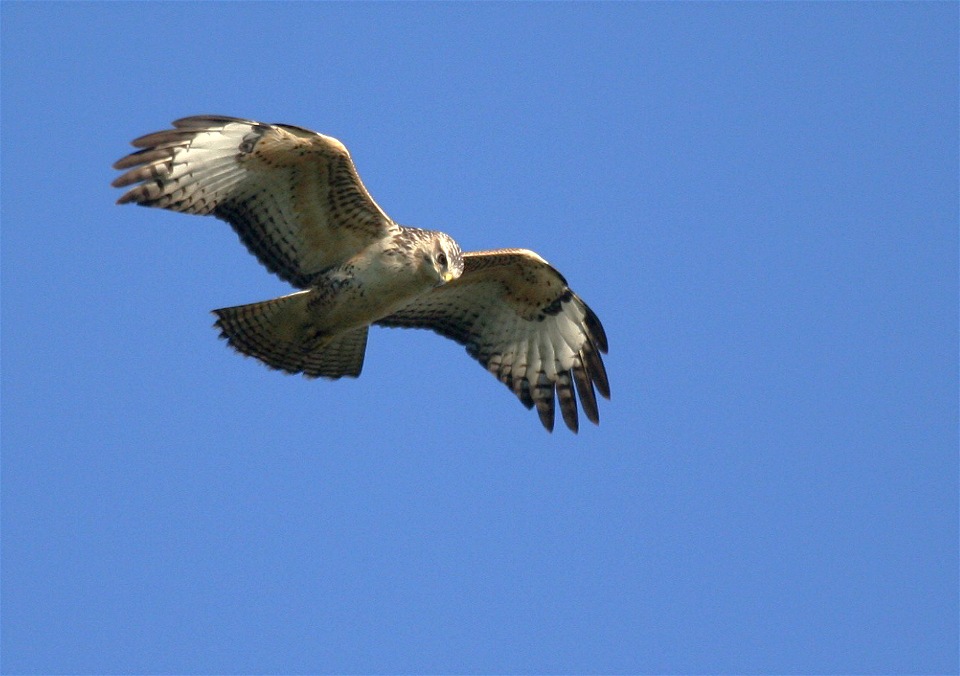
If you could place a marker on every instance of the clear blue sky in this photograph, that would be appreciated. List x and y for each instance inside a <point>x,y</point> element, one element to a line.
<point>760,202</point>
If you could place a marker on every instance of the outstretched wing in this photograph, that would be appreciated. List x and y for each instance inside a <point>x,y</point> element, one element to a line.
<point>292,195</point>
<point>516,316</point>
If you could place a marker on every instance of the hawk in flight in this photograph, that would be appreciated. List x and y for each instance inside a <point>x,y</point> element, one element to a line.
<point>296,201</point>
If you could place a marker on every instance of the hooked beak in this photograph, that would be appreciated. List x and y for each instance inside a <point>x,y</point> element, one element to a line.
<point>447,276</point>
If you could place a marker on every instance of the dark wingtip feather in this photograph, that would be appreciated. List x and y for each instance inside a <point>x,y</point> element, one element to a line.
<point>588,399</point>
<point>123,180</point>
<point>543,397</point>
<point>145,156</point>
<point>595,329</point>
<point>568,401</point>
<point>523,394</point>
<point>546,417</point>
<point>126,162</point>
<point>594,366</point>
<point>157,138</point>
<point>205,121</point>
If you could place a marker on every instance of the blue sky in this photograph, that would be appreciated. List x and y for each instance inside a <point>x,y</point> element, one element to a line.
<point>759,201</point>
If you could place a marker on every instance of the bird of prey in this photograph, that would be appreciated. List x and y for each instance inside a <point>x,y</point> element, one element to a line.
<point>294,198</point>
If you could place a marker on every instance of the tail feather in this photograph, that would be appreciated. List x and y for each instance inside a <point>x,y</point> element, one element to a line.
<point>282,334</point>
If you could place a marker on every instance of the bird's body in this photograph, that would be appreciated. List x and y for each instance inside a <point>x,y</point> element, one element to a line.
<point>295,199</point>
<point>375,283</point>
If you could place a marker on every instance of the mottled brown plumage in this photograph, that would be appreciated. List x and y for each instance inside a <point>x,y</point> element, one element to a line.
<point>296,201</point>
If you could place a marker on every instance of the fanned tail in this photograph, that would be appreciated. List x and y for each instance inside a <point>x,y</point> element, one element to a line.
<point>281,333</point>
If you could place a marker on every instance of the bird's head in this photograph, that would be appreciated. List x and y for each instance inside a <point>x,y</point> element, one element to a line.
<point>445,258</point>
<point>435,256</point>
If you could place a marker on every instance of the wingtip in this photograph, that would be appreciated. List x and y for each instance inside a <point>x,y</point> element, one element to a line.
<point>547,417</point>
<point>595,329</point>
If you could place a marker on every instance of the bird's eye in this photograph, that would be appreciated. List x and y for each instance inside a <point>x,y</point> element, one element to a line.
<point>442,259</point>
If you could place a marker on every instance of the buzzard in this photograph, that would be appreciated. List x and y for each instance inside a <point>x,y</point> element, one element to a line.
<point>294,198</point>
